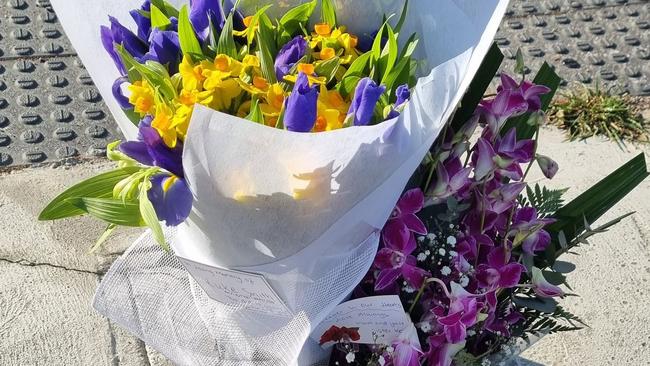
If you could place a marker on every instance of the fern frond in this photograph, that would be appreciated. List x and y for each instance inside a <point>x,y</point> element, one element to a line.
<point>545,201</point>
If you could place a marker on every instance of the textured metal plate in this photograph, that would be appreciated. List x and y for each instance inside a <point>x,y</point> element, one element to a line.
<point>50,110</point>
<point>596,42</point>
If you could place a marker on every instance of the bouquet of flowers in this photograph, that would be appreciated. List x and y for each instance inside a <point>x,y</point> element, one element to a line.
<point>274,141</point>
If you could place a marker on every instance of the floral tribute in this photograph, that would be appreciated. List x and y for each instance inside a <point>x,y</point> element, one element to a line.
<point>467,252</point>
<point>283,73</point>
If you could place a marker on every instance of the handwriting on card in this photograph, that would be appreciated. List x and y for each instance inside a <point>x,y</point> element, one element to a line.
<point>237,288</point>
<point>376,319</point>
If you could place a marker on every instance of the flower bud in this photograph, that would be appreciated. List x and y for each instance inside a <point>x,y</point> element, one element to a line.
<point>548,166</point>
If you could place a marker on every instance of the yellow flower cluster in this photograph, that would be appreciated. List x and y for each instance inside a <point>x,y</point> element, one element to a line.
<point>229,85</point>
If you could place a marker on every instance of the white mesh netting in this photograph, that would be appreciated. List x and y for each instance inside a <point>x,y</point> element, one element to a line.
<point>149,292</point>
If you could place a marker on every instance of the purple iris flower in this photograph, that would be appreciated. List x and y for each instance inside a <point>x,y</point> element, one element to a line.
<point>403,94</point>
<point>164,48</point>
<point>405,211</point>
<point>143,22</point>
<point>289,55</point>
<point>118,95</point>
<point>526,224</point>
<point>202,12</point>
<point>171,198</point>
<point>119,34</point>
<point>365,99</point>
<point>498,272</point>
<point>153,151</point>
<point>395,259</point>
<point>301,106</point>
<point>169,192</point>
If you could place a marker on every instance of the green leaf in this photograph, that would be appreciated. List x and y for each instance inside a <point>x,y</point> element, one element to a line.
<point>154,73</point>
<point>100,186</point>
<point>547,77</point>
<point>564,267</point>
<point>543,305</point>
<point>328,68</point>
<point>166,7</point>
<point>187,37</point>
<point>293,19</point>
<point>256,112</point>
<point>520,65</point>
<point>489,67</point>
<point>399,74</point>
<point>402,18</point>
<point>347,85</point>
<point>554,278</point>
<point>102,239</point>
<point>158,18</point>
<point>149,215</point>
<point>110,210</point>
<point>595,202</point>
<point>266,38</point>
<point>226,43</point>
<point>389,54</point>
<point>328,13</point>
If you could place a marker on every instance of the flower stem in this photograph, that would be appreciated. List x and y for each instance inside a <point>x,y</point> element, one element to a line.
<point>419,294</point>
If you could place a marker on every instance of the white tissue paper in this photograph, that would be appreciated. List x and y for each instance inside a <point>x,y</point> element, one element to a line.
<point>284,225</point>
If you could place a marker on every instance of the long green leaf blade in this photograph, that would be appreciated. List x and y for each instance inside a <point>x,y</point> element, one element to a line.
<point>112,211</point>
<point>187,37</point>
<point>149,215</point>
<point>292,19</point>
<point>226,43</point>
<point>100,186</point>
<point>328,13</point>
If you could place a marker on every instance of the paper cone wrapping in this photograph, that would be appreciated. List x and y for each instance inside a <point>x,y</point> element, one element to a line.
<point>303,210</point>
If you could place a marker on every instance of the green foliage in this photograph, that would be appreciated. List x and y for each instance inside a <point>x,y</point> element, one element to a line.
<point>187,37</point>
<point>328,13</point>
<point>100,186</point>
<point>226,44</point>
<point>266,38</point>
<point>592,112</point>
<point>293,20</point>
<point>153,72</point>
<point>545,201</point>
<point>574,218</point>
<point>255,114</point>
<point>560,320</point>
<point>149,216</point>
<point>110,210</point>
<point>158,18</point>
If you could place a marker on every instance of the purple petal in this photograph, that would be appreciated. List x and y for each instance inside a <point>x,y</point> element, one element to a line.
<point>109,45</point>
<point>122,35</point>
<point>411,201</point>
<point>510,275</point>
<point>143,22</point>
<point>485,159</point>
<point>165,49</point>
<point>414,275</point>
<point>456,333</point>
<point>301,106</point>
<point>396,235</point>
<point>172,205</point>
<point>414,224</point>
<point>508,83</point>
<point>498,257</point>
<point>366,96</point>
<point>385,258</point>
<point>118,95</point>
<point>542,287</point>
<point>137,151</point>
<point>403,94</point>
<point>386,278</point>
<point>204,11</point>
<point>164,157</point>
<point>548,166</point>
<point>405,355</point>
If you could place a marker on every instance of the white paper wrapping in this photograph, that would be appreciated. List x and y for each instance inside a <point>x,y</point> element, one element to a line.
<point>312,250</point>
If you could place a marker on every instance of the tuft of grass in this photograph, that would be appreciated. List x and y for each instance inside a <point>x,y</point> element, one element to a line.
<point>594,112</point>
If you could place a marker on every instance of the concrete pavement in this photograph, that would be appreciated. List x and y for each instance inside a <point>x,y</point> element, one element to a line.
<point>47,277</point>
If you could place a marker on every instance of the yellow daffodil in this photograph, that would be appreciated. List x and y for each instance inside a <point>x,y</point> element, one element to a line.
<point>142,97</point>
<point>162,122</point>
<point>192,74</point>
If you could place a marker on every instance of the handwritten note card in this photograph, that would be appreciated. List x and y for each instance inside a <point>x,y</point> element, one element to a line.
<point>237,288</point>
<point>380,319</point>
